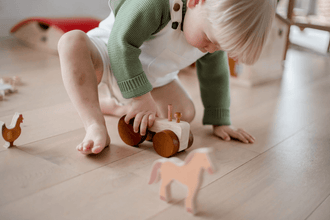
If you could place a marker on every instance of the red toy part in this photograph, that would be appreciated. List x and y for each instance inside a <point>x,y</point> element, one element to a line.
<point>44,33</point>
<point>63,24</point>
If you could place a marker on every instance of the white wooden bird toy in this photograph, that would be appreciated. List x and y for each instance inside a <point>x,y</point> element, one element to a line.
<point>8,85</point>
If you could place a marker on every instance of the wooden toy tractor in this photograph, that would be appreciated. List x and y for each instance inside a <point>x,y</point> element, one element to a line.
<point>168,136</point>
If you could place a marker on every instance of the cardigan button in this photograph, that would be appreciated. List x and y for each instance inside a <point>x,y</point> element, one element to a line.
<point>175,25</point>
<point>176,7</point>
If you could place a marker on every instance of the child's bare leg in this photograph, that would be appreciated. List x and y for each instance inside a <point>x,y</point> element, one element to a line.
<point>173,93</point>
<point>82,70</point>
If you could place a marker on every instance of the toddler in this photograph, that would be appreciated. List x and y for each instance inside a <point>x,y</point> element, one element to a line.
<point>138,50</point>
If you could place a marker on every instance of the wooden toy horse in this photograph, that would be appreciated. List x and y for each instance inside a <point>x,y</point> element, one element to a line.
<point>188,172</point>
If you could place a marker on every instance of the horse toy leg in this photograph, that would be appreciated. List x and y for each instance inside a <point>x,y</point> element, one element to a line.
<point>165,188</point>
<point>165,191</point>
<point>191,200</point>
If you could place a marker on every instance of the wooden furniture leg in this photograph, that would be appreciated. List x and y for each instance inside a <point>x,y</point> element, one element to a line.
<point>289,17</point>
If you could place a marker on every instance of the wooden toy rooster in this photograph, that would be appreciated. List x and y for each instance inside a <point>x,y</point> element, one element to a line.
<point>11,133</point>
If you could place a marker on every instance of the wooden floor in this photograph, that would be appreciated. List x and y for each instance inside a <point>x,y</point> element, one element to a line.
<point>284,175</point>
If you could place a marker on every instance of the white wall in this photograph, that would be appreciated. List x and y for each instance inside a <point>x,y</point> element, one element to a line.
<point>13,11</point>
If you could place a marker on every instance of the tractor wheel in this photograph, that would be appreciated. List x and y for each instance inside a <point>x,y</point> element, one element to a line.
<point>166,143</point>
<point>127,133</point>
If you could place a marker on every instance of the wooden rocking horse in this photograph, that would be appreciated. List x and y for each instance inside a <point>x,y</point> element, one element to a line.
<point>188,172</point>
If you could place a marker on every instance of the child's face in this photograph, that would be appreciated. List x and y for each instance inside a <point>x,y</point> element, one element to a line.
<point>197,30</point>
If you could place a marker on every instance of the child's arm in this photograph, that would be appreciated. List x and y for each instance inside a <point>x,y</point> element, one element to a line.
<point>136,22</point>
<point>213,75</point>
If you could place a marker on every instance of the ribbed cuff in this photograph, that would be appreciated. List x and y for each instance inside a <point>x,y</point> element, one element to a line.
<point>216,116</point>
<point>135,87</point>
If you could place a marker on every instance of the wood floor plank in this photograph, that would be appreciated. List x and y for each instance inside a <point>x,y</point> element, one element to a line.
<point>46,122</point>
<point>322,212</point>
<point>279,119</point>
<point>41,82</point>
<point>17,58</point>
<point>288,181</point>
<point>227,158</point>
<point>275,111</point>
<point>66,155</point>
<point>122,189</point>
<point>61,149</point>
<point>23,174</point>
<point>301,71</point>
<point>105,193</point>
<point>41,86</point>
<point>121,185</point>
<point>110,191</point>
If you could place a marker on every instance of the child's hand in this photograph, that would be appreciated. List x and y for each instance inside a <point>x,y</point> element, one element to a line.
<point>227,131</point>
<point>144,109</point>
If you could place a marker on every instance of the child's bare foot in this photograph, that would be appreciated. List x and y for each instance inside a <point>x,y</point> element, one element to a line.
<point>96,139</point>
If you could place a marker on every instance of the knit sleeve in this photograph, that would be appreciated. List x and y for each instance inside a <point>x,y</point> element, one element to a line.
<point>135,22</point>
<point>213,75</point>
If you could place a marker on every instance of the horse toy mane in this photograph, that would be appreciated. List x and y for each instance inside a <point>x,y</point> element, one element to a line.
<point>188,172</point>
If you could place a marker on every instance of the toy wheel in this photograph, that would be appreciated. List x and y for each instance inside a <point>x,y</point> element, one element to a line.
<point>127,133</point>
<point>191,140</point>
<point>166,143</point>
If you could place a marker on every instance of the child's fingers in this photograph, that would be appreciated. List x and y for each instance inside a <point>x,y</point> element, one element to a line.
<point>223,135</point>
<point>129,116</point>
<point>249,137</point>
<point>239,135</point>
<point>142,120</point>
<point>144,124</point>
<point>137,122</point>
<point>151,120</point>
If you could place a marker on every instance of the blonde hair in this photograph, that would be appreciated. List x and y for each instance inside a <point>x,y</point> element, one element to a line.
<point>241,27</point>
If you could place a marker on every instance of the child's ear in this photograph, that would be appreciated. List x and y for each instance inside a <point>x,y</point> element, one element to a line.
<point>193,3</point>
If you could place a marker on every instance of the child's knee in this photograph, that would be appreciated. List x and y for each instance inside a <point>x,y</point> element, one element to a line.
<point>188,113</point>
<point>71,41</point>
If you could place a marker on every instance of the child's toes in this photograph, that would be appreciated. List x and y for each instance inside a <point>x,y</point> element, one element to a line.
<point>97,148</point>
<point>86,147</point>
<point>100,145</point>
<point>79,147</point>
